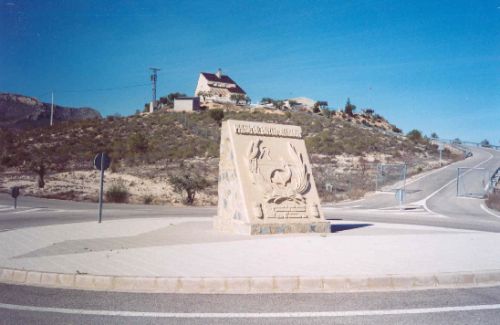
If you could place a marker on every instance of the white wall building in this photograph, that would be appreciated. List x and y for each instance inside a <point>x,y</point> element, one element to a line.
<point>186,104</point>
<point>216,87</point>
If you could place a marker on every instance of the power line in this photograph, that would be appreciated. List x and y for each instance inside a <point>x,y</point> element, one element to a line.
<point>102,89</point>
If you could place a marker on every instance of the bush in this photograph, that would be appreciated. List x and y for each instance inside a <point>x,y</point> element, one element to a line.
<point>415,135</point>
<point>189,181</point>
<point>349,108</point>
<point>326,112</point>
<point>117,192</point>
<point>485,143</point>
<point>493,201</point>
<point>137,143</point>
<point>217,115</point>
<point>147,199</point>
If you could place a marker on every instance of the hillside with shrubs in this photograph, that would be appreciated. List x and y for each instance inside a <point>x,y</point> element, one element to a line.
<point>160,157</point>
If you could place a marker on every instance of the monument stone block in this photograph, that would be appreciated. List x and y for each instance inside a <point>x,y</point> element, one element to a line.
<point>265,181</point>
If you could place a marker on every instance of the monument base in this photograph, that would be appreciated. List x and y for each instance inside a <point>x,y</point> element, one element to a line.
<point>272,228</point>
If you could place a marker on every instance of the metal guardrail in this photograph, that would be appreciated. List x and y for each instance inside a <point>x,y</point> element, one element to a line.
<point>466,152</point>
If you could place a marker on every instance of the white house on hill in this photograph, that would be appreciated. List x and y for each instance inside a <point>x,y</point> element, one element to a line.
<point>218,88</point>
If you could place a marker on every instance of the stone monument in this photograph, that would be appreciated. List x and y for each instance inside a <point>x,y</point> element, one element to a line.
<point>265,181</point>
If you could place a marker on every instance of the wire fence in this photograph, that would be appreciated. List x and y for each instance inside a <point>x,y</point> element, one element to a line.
<point>473,182</point>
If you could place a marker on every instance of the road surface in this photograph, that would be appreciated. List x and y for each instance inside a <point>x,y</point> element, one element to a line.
<point>31,305</point>
<point>431,201</point>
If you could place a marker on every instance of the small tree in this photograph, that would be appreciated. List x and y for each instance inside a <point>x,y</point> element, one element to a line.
<point>203,94</point>
<point>434,135</point>
<point>279,104</point>
<point>485,143</point>
<point>38,166</point>
<point>217,115</point>
<point>266,100</point>
<point>292,103</point>
<point>237,98</point>
<point>189,181</point>
<point>349,108</point>
<point>169,99</point>
<point>414,135</point>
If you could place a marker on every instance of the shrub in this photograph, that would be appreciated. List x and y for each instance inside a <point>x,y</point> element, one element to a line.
<point>415,135</point>
<point>147,199</point>
<point>137,143</point>
<point>326,112</point>
<point>349,108</point>
<point>485,143</point>
<point>217,115</point>
<point>493,201</point>
<point>190,181</point>
<point>396,129</point>
<point>117,192</point>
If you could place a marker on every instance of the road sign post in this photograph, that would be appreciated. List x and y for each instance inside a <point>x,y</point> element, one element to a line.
<point>14,192</point>
<point>101,162</point>
<point>440,149</point>
<point>400,196</point>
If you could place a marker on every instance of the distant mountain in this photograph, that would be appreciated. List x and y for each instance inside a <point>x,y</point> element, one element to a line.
<point>19,111</point>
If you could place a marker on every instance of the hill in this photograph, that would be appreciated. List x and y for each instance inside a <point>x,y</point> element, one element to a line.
<point>18,111</point>
<point>146,150</point>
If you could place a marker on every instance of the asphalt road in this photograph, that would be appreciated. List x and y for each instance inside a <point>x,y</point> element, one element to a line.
<point>31,305</point>
<point>34,211</point>
<point>431,201</point>
<point>434,193</point>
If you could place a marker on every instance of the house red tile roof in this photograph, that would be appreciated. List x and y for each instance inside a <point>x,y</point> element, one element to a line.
<point>237,90</point>
<point>225,79</point>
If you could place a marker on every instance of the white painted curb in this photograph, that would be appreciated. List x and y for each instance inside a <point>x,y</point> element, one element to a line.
<point>249,285</point>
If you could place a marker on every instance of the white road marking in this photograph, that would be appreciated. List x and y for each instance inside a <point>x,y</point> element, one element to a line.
<point>6,207</point>
<point>424,201</point>
<point>411,181</point>
<point>341,207</point>
<point>30,210</point>
<point>347,313</point>
<point>485,209</point>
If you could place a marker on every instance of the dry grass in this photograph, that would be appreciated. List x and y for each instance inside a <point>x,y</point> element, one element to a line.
<point>344,150</point>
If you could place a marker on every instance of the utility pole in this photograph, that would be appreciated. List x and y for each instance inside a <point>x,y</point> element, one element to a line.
<point>52,110</point>
<point>154,77</point>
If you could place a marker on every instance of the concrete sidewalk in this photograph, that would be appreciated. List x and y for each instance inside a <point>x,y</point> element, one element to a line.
<point>186,255</point>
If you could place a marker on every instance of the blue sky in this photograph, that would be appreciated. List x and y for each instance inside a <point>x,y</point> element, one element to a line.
<point>430,65</point>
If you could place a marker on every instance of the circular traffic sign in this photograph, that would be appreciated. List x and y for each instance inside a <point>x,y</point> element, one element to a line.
<point>102,161</point>
<point>14,191</point>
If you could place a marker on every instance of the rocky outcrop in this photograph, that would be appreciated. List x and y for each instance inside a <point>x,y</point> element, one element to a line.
<point>20,111</point>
